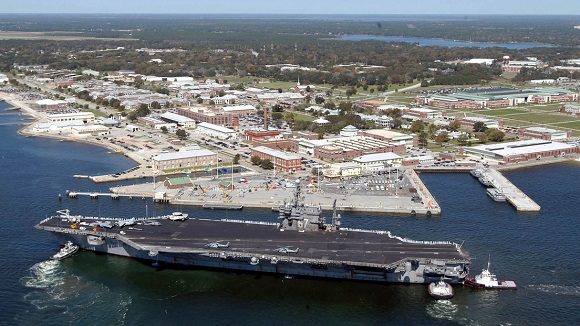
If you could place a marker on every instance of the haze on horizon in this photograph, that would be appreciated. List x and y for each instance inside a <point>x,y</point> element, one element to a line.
<point>361,7</point>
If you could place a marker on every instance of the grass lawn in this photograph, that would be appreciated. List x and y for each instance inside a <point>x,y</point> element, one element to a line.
<point>278,84</point>
<point>500,112</point>
<point>544,118</point>
<point>514,123</point>
<point>544,108</point>
<point>97,113</point>
<point>302,117</point>
<point>571,124</point>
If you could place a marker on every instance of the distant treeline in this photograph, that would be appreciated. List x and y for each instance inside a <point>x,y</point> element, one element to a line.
<point>244,47</point>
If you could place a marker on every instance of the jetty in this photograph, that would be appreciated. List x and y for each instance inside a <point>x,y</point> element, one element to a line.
<point>513,194</point>
<point>96,195</point>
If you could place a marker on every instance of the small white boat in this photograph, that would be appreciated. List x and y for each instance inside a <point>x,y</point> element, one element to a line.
<point>476,173</point>
<point>68,250</point>
<point>178,216</point>
<point>441,290</point>
<point>496,194</point>
<point>485,181</point>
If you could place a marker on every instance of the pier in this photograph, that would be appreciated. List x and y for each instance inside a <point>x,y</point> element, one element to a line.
<point>513,194</point>
<point>96,195</point>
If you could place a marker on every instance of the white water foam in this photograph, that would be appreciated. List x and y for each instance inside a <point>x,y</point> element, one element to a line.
<point>556,289</point>
<point>447,310</point>
<point>67,298</point>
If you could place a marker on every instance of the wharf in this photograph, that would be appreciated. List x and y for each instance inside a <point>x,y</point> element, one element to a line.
<point>513,195</point>
<point>426,196</point>
<point>95,195</point>
<point>443,169</point>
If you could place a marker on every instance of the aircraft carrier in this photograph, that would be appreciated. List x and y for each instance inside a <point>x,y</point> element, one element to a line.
<point>301,244</point>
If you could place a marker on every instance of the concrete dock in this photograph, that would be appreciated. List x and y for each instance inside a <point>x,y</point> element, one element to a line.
<point>513,195</point>
<point>207,192</point>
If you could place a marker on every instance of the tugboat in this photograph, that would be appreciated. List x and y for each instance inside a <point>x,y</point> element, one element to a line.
<point>487,280</point>
<point>68,250</point>
<point>496,194</point>
<point>441,290</point>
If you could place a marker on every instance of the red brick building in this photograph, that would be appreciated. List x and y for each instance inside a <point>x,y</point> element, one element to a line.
<point>206,115</point>
<point>288,145</point>
<point>252,135</point>
<point>282,160</point>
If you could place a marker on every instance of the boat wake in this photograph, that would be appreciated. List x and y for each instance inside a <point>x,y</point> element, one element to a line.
<point>556,289</point>
<point>66,298</point>
<point>447,310</point>
<point>442,309</point>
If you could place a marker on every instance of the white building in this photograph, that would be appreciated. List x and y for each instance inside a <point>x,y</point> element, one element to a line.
<point>226,99</point>
<point>239,109</point>
<point>3,78</point>
<point>180,120</point>
<point>94,130</point>
<point>349,131</point>
<point>321,121</point>
<point>346,169</point>
<point>47,104</point>
<point>479,61</point>
<point>378,162</point>
<point>185,159</point>
<point>84,117</point>
<point>523,150</point>
<point>216,131</point>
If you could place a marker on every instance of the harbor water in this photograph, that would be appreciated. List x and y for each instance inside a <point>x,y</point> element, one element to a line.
<point>539,251</point>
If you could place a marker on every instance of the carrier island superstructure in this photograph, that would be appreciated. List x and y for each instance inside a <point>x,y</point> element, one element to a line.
<point>301,244</point>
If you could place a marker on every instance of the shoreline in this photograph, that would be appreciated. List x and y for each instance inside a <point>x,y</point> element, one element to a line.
<point>25,130</point>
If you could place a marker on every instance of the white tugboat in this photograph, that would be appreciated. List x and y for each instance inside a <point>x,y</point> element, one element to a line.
<point>441,290</point>
<point>487,280</point>
<point>68,250</point>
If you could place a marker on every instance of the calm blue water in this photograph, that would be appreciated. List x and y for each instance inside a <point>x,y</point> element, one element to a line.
<point>540,251</point>
<point>425,41</point>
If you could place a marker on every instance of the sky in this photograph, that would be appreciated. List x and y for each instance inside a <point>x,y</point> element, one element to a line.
<point>462,7</point>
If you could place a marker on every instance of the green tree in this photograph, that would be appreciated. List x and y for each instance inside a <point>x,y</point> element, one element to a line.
<point>443,137</point>
<point>417,126</point>
<point>495,135</point>
<point>181,134</point>
<point>463,138</point>
<point>319,100</point>
<point>164,130</point>
<point>479,127</point>
<point>432,129</point>
<point>454,125</point>
<point>422,141</point>
<point>267,164</point>
<point>482,138</point>
<point>236,159</point>
<point>256,160</point>
<point>397,123</point>
<point>424,83</point>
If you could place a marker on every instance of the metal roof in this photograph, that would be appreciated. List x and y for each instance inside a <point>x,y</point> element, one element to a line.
<point>183,155</point>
